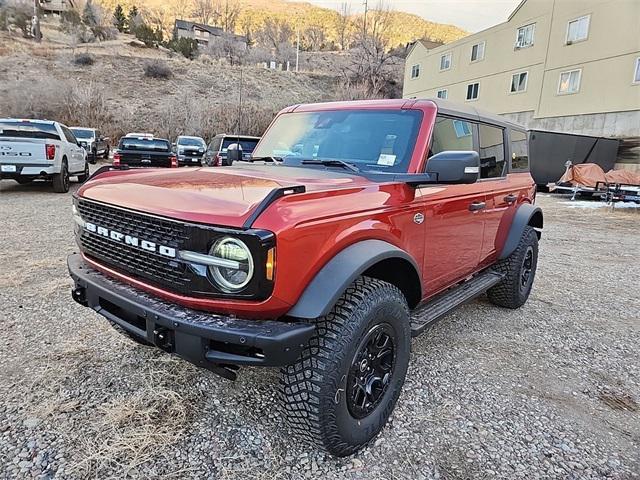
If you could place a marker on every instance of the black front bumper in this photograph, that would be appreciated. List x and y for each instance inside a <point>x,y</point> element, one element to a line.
<point>205,339</point>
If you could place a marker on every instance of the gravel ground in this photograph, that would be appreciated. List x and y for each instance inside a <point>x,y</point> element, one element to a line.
<point>547,391</point>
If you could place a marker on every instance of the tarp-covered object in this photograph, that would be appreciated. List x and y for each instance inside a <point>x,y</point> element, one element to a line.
<point>589,174</point>
<point>623,176</point>
<point>585,174</point>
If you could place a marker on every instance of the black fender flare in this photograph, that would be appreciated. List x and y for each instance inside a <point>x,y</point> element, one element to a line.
<point>526,214</point>
<point>322,293</point>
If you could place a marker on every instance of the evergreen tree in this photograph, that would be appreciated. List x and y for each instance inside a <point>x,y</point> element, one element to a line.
<point>119,18</point>
<point>89,16</point>
<point>132,18</point>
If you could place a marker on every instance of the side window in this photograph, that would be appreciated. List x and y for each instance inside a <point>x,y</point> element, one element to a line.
<point>492,159</point>
<point>215,145</point>
<point>520,149</point>
<point>451,134</point>
<point>69,135</point>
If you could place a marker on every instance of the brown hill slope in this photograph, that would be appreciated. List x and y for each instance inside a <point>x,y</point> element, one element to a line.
<point>404,27</point>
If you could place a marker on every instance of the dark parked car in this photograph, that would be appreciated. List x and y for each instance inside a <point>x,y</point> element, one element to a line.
<point>217,152</point>
<point>93,142</point>
<point>144,152</point>
<point>190,150</point>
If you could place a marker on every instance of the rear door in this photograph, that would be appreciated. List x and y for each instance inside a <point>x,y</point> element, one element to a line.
<point>501,190</point>
<point>454,213</point>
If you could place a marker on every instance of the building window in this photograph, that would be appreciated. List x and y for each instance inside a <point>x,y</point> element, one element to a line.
<point>443,94</point>
<point>578,29</point>
<point>462,129</point>
<point>415,71</point>
<point>569,82</point>
<point>472,91</point>
<point>492,158</point>
<point>525,36</point>
<point>445,61</point>
<point>519,82</point>
<point>477,52</point>
<point>636,73</point>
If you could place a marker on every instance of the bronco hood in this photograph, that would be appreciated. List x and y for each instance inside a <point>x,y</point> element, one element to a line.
<point>217,196</point>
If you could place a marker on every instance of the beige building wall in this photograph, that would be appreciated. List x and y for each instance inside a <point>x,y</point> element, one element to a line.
<point>608,100</point>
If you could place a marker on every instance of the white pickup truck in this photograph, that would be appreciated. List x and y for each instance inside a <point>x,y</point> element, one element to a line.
<point>31,149</point>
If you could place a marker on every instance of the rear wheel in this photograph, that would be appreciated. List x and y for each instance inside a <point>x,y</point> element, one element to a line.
<point>61,180</point>
<point>341,391</point>
<point>520,270</point>
<point>106,153</point>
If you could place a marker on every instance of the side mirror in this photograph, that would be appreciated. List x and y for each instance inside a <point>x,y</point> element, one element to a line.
<point>234,153</point>
<point>454,166</point>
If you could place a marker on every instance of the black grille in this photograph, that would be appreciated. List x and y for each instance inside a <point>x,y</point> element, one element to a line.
<point>149,265</point>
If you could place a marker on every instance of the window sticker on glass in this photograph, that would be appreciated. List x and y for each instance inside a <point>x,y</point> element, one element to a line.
<point>386,159</point>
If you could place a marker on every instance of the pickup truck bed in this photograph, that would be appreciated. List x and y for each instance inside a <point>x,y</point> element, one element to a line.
<point>144,152</point>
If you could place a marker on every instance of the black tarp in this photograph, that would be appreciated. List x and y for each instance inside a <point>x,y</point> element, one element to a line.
<point>550,151</point>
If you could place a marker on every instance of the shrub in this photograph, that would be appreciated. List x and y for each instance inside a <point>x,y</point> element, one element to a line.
<point>188,47</point>
<point>157,69</point>
<point>151,37</point>
<point>83,60</point>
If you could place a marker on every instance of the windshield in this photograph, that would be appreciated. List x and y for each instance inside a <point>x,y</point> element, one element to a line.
<point>378,140</point>
<point>191,142</point>
<point>27,129</point>
<point>82,132</point>
<point>144,144</point>
<point>248,145</point>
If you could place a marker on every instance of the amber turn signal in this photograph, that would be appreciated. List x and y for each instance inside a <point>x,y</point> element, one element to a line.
<point>271,263</point>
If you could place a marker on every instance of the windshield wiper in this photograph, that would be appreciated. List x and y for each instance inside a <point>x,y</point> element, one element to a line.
<point>267,159</point>
<point>332,163</point>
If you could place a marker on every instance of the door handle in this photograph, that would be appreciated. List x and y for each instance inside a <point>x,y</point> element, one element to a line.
<point>510,198</point>
<point>475,206</point>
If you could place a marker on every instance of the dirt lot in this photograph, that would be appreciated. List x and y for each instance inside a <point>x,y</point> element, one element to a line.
<point>548,391</point>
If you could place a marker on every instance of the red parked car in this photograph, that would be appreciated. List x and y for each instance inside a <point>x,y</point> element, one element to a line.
<point>356,226</point>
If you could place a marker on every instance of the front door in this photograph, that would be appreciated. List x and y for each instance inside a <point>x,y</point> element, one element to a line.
<point>455,214</point>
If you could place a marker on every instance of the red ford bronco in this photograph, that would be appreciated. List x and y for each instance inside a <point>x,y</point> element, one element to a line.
<point>356,226</point>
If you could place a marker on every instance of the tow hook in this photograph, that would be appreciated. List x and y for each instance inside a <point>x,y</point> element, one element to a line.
<point>79,295</point>
<point>163,339</point>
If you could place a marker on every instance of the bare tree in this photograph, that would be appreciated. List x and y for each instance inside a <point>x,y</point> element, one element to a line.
<point>229,47</point>
<point>228,14</point>
<point>368,71</point>
<point>182,8</point>
<point>343,24</point>
<point>205,11</point>
<point>313,37</point>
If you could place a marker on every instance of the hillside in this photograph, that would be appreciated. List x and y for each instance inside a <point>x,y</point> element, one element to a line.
<point>404,27</point>
<point>113,94</point>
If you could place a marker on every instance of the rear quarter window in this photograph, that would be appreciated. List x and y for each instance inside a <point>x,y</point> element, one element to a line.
<point>519,151</point>
<point>28,129</point>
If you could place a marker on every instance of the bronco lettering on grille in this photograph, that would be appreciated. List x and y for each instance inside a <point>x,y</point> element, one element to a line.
<point>130,240</point>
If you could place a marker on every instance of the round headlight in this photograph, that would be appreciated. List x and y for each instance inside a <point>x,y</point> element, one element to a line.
<point>231,279</point>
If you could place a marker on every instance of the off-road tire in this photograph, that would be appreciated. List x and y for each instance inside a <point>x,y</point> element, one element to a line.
<point>314,389</point>
<point>510,292</point>
<point>82,177</point>
<point>61,180</point>
<point>106,153</point>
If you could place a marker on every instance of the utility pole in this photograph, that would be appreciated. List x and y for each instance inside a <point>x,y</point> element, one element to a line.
<point>239,125</point>
<point>35,22</point>
<point>366,9</point>
<point>297,48</point>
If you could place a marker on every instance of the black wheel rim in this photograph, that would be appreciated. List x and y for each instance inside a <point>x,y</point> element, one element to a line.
<point>65,177</point>
<point>526,272</point>
<point>371,371</point>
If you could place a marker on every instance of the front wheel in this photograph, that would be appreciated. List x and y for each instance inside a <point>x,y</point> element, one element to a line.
<point>519,269</point>
<point>341,391</point>
<point>106,153</point>
<point>84,175</point>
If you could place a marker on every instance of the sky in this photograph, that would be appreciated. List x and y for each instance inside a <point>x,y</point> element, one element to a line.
<point>471,15</point>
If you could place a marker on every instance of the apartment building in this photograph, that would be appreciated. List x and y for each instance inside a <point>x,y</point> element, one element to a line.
<point>564,65</point>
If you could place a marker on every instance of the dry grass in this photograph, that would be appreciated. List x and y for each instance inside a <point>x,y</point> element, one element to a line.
<point>147,407</point>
